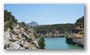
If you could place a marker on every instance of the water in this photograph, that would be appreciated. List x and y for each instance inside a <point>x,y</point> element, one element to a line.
<point>59,43</point>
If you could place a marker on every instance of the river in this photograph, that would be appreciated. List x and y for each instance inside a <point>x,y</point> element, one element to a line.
<point>59,43</point>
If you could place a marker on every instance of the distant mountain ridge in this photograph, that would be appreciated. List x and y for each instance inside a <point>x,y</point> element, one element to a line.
<point>33,23</point>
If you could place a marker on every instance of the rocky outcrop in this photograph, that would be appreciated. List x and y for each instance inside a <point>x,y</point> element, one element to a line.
<point>78,42</point>
<point>18,38</point>
<point>51,34</point>
<point>76,36</point>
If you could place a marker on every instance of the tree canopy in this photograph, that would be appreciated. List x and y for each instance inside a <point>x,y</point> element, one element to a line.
<point>52,28</point>
<point>9,17</point>
<point>42,43</point>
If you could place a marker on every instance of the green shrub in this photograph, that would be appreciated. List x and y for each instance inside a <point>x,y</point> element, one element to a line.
<point>41,43</point>
<point>5,28</point>
<point>27,47</point>
<point>23,23</point>
<point>10,25</point>
<point>35,35</point>
<point>5,46</point>
<point>7,15</point>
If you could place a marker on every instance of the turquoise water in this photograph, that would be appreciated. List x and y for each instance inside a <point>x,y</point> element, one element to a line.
<point>59,43</point>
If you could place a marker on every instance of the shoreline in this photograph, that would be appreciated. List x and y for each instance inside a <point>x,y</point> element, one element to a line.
<point>70,41</point>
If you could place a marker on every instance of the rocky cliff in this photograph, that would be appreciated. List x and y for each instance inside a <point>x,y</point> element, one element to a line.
<point>18,35</point>
<point>76,35</point>
<point>18,38</point>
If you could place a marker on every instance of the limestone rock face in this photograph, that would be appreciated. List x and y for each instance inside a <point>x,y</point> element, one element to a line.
<point>18,38</point>
<point>15,45</point>
<point>77,33</point>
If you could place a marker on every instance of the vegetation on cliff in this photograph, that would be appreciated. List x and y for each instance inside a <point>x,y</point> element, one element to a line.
<point>80,21</point>
<point>54,30</point>
<point>79,26</point>
<point>21,36</point>
<point>76,35</point>
<point>18,35</point>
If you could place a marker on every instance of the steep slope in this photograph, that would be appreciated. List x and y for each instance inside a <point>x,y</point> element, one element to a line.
<point>76,36</point>
<point>19,39</point>
<point>18,35</point>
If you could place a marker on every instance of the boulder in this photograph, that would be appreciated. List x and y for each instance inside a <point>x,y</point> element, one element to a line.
<point>15,45</point>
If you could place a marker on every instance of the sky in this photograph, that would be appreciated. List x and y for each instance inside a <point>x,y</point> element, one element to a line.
<point>46,13</point>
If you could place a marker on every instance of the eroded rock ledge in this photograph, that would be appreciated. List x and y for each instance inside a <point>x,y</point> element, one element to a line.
<point>75,42</point>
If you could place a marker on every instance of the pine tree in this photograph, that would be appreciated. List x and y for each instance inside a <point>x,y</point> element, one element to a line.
<point>42,43</point>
